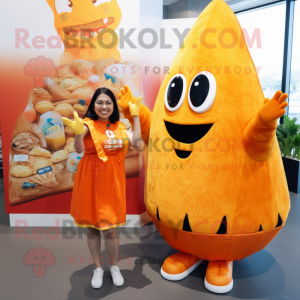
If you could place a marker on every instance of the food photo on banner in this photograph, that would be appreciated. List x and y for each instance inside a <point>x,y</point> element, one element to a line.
<point>40,134</point>
<point>208,171</point>
<point>42,158</point>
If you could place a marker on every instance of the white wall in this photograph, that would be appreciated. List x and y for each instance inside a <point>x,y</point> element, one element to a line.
<point>168,55</point>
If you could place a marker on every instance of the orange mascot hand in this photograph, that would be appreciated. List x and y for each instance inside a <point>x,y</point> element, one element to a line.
<point>260,134</point>
<point>125,97</point>
<point>143,112</point>
<point>274,108</point>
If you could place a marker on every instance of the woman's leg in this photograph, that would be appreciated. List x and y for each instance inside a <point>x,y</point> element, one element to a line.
<point>94,243</point>
<point>111,245</point>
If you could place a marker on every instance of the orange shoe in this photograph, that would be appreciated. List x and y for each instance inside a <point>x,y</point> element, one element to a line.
<point>179,266</point>
<point>218,277</point>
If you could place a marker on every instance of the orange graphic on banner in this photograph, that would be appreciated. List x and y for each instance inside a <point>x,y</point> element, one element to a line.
<point>40,68</point>
<point>87,29</point>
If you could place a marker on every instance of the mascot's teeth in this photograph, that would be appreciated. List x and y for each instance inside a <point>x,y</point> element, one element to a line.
<point>83,30</point>
<point>223,226</point>
<point>186,224</point>
<point>279,223</point>
<point>157,215</point>
<point>93,34</point>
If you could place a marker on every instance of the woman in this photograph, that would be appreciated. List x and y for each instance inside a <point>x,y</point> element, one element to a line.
<point>98,199</point>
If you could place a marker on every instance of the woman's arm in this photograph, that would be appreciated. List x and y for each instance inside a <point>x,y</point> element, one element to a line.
<point>135,138</point>
<point>78,143</point>
<point>79,129</point>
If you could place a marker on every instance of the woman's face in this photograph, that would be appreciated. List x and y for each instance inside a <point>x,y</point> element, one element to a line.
<point>104,107</point>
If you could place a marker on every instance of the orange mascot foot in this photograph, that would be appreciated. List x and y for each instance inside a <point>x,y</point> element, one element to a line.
<point>218,277</point>
<point>179,266</point>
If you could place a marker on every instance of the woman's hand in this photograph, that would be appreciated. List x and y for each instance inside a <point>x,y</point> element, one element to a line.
<point>76,125</point>
<point>135,108</point>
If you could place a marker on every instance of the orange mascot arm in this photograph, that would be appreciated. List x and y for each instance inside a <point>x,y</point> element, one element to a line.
<point>260,134</point>
<point>145,114</point>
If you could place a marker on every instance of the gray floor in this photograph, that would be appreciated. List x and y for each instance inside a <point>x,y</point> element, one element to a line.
<point>273,273</point>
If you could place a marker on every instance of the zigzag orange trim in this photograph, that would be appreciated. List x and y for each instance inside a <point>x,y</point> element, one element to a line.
<point>99,228</point>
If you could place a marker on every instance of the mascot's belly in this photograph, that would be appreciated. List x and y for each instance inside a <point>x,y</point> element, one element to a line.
<point>204,190</point>
<point>218,203</point>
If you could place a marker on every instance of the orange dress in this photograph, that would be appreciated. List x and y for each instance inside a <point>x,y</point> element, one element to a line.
<point>99,192</point>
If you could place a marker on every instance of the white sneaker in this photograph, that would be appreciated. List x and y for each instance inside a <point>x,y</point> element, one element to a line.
<point>97,279</point>
<point>116,275</point>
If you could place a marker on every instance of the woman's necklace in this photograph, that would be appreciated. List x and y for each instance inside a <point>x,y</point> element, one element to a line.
<point>107,125</point>
<point>109,134</point>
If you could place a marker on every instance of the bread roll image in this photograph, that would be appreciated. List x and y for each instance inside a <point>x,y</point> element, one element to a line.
<point>69,132</point>
<point>94,82</point>
<point>70,140</point>
<point>82,92</point>
<point>57,80</point>
<point>65,110</point>
<point>46,179</point>
<point>44,106</point>
<point>79,107</point>
<point>25,140</point>
<point>39,94</point>
<point>70,147</point>
<point>38,151</point>
<point>36,162</point>
<point>81,110</point>
<point>60,155</point>
<point>64,73</point>
<point>57,92</point>
<point>20,171</point>
<point>74,87</point>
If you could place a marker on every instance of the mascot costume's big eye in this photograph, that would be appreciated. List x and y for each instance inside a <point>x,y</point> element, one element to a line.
<point>215,184</point>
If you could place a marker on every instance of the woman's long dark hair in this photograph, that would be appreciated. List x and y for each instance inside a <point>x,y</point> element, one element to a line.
<point>114,117</point>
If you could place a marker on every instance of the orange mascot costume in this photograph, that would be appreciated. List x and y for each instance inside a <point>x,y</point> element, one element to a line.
<point>215,183</point>
<point>87,28</point>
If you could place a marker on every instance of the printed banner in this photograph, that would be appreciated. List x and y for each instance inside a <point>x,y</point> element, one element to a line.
<point>51,71</point>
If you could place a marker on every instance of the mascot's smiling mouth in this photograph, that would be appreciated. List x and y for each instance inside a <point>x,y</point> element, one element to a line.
<point>88,30</point>
<point>188,134</point>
